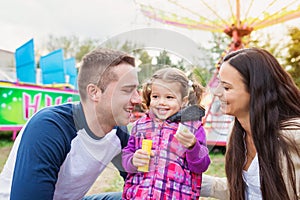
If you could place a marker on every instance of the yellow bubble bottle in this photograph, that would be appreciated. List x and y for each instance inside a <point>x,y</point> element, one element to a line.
<point>147,146</point>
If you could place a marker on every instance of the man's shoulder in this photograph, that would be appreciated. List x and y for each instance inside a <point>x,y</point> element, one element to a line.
<point>53,121</point>
<point>123,135</point>
<point>58,112</point>
<point>61,108</point>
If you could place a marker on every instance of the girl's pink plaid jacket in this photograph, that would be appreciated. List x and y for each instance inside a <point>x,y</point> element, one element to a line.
<point>174,172</point>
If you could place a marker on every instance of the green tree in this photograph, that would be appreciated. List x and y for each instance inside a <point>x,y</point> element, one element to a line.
<point>181,64</point>
<point>84,47</point>
<point>72,45</point>
<point>126,46</point>
<point>144,57</point>
<point>145,65</point>
<point>201,75</point>
<point>219,45</point>
<point>262,40</point>
<point>293,57</point>
<point>163,58</point>
<point>68,43</point>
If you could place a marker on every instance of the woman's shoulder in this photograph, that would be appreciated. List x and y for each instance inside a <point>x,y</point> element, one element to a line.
<point>292,129</point>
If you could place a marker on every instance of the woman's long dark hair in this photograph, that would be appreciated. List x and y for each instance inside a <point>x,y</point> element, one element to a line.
<point>274,101</point>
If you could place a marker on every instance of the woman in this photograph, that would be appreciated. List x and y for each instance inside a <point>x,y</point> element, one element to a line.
<point>263,152</point>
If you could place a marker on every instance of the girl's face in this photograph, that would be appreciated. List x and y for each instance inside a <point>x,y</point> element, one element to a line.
<point>234,97</point>
<point>165,99</point>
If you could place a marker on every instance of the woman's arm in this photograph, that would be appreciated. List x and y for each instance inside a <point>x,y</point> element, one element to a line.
<point>214,187</point>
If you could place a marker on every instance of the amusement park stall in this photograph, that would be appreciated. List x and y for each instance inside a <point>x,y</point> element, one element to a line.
<point>20,101</point>
<point>237,19</point>
<point>22,98</point>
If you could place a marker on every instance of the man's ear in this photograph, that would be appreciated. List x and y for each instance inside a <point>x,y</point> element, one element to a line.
<point>184,101</point>
<point>93,92</point>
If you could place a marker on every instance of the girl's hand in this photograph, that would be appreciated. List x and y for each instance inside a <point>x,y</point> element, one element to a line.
<point>185,137</point>
<point>140,158</point>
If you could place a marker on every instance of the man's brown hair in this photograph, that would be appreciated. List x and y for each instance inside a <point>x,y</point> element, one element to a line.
<point>96,68</point>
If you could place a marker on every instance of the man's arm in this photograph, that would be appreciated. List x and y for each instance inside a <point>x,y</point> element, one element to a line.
<point>41,152</point>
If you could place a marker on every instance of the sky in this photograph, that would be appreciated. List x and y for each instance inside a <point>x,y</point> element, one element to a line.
<point>97,19</point>
<point>22,20</point>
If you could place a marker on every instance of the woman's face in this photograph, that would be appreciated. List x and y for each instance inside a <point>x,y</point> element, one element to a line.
<point>231,91</point>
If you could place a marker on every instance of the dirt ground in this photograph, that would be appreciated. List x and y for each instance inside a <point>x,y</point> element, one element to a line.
<point>4,152</point>
<point>108,181</point>
<point>105,182</point>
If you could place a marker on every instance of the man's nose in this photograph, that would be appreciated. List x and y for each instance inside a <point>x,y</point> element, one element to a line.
<point>135,98</point>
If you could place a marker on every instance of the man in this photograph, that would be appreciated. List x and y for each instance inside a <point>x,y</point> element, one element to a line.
<point>62,149</point>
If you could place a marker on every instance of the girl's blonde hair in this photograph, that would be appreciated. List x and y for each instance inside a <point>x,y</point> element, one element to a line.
<point>189,88</point>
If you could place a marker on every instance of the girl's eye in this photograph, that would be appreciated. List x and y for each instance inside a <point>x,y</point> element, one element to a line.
<point>170,97</point>
<point>226,88</point>
<point>154,96</point>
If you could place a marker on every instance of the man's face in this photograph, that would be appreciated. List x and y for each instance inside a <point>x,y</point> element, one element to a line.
<point>119,98</point>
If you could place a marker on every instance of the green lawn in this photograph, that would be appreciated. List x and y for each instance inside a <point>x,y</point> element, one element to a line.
<point>5,146</point>
<point>5,139</point>
<point>217,166</point>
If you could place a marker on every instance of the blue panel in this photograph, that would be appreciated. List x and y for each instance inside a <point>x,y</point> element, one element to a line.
<point>25,63</point>
<point>52,66</point>
<point>71,70</point>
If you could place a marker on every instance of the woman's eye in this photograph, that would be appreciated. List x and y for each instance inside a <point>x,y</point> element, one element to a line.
<point>225,87</point>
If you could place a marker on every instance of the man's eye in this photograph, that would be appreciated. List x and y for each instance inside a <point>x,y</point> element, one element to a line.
<point>127,91</point>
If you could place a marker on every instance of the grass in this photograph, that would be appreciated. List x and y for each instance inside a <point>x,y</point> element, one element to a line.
<point>217,166</point>
<point>5,146</point>
<point>5,139</point>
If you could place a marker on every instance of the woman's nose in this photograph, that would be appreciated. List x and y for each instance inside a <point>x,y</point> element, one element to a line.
<point>218,91</point>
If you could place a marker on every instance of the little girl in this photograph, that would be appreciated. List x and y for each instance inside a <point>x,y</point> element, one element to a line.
<point>178,158</point>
